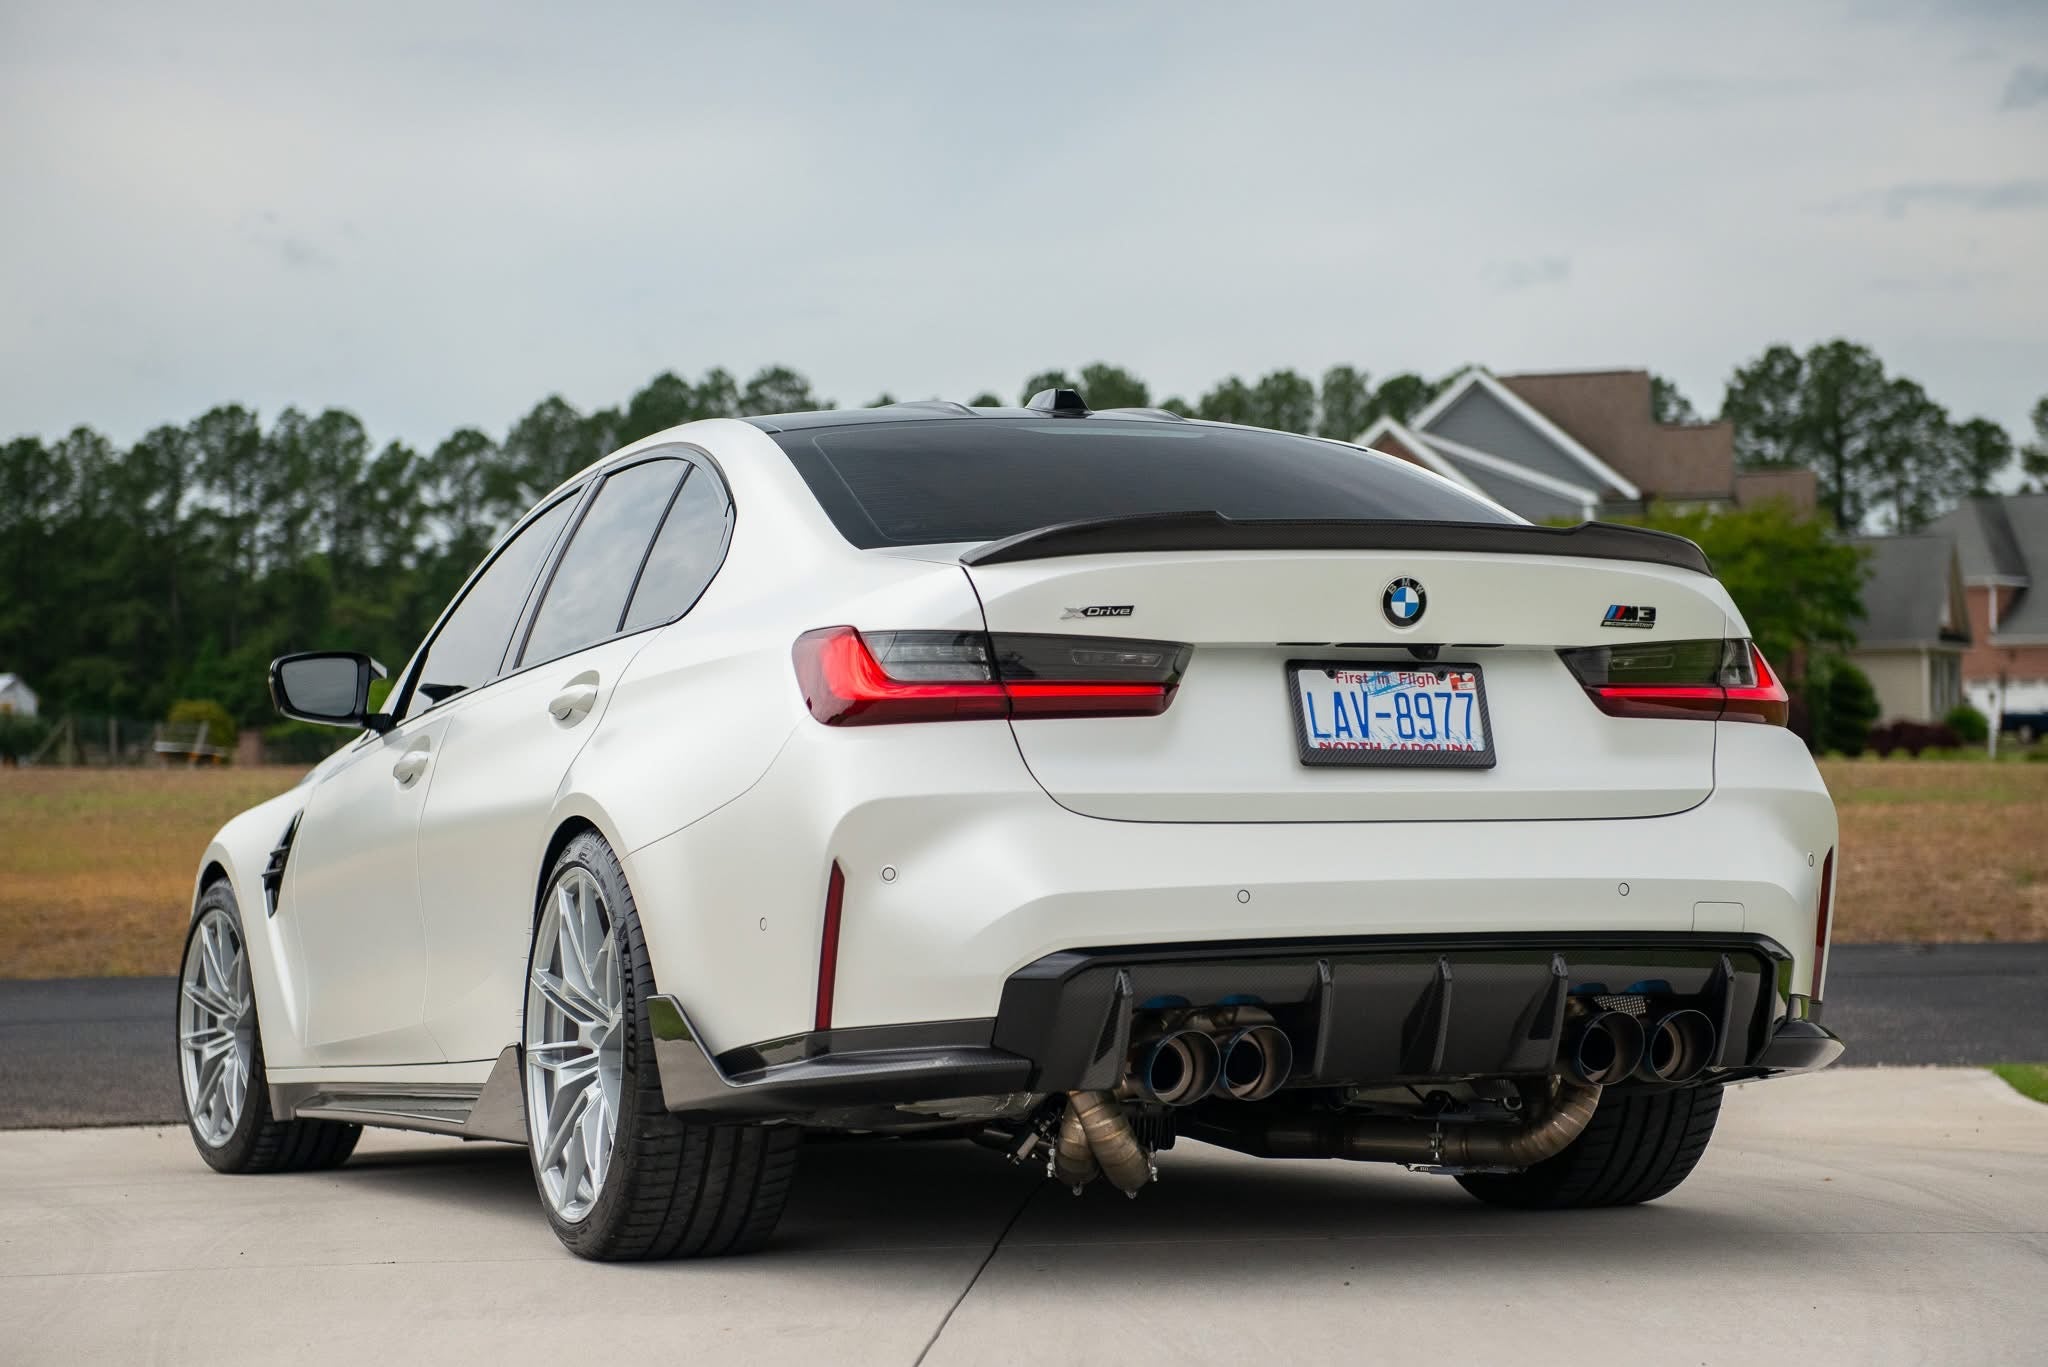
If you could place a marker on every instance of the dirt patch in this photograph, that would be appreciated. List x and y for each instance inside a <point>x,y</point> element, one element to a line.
<point>1941,851</point>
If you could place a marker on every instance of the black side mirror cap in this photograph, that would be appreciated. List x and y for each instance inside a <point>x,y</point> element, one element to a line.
<point>328,688</point>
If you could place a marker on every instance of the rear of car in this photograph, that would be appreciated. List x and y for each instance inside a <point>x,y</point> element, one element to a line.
<point>1221,731</point>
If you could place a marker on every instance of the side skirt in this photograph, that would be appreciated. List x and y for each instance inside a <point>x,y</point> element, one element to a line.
<point>495,1110</point>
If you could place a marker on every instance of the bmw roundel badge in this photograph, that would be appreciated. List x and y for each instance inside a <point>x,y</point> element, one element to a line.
<point>1403,602</point>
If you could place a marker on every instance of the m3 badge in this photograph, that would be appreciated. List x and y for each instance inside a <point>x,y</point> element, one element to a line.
<point>1630,615</point>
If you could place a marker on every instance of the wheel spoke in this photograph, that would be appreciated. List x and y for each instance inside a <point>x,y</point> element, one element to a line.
<point>207,1000</point>
<point>565,1111</point>
<point>593,1132</point>
<point>567,998</point>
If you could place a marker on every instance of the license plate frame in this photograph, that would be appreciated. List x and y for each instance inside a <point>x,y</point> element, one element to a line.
<point>1355,756</point>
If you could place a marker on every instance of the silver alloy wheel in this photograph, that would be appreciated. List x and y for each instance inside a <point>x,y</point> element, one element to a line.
<point>216,1027</point>
<point>574,1043</point>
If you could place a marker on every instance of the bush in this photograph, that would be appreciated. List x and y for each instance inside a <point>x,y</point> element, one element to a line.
<point>1838,705</point>
<point>1966,721</point>
<point>19,736</point>
<point>220,724</point>
<point>1912,737</point>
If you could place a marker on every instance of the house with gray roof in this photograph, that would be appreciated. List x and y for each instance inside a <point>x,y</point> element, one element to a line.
<point>1916,625</point>
<point>1573,445</point>
<point>2002,543</point>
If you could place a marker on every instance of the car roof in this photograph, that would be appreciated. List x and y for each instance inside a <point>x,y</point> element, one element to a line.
<point>940,410</point>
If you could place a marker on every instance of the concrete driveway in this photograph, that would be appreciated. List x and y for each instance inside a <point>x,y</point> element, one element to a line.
<point>1859,1216</point>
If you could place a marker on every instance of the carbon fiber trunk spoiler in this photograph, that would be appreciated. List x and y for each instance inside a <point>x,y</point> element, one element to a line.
<point>1209,531</point>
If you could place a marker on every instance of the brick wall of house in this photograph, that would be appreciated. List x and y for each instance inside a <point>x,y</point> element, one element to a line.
<point>1985,658</point>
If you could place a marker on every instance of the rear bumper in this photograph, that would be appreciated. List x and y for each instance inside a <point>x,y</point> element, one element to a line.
<point>1358,1010</point>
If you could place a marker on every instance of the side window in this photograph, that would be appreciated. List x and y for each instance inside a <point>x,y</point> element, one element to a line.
<point>687,551</point>
<point>587,596</point>
<point>470,646</point>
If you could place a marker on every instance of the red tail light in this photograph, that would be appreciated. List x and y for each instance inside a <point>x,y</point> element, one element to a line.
<point>1703,680</point>
<point>902,676</point>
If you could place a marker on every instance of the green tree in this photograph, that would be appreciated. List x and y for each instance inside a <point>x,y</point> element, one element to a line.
<point>1343,403</point>
<point>1799,587</point>
<point>1400,397</point>
<point>1986,450</point>
<point>985,400</point>
<point>1111,386</point>
<point>882,400</point>
<point>2034,455</point>
<point>1230,401</point>
<point>1045,379</point>
<point>1668,404</point>
<point>778,389</point>
<point>1877,442</point>
<point>1285,401</point>
<point>1841,706</point>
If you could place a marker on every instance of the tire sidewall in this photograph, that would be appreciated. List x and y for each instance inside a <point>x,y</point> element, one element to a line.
<point>591,853</point>
<point>234,1154</point>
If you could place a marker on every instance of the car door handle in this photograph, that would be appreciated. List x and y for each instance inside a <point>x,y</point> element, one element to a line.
<point>573,703</point>
<point>410,766</point>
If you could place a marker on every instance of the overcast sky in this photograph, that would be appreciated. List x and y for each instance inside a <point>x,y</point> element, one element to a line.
<point>436,214</point>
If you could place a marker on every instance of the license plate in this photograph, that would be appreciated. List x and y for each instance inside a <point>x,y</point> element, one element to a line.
<point>1415,716</point>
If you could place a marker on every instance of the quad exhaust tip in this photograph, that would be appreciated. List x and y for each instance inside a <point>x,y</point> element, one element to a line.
<point>1678,1047</point>
<point>1256,1063</point>
<point>1179,1069</point>
<point>1606,1049</point>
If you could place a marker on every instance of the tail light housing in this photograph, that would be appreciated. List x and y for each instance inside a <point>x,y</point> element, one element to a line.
<point>1725,680</point>
<point>854,679</point>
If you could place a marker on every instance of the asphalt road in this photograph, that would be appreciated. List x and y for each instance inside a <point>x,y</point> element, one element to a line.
<point>97,1051</point>
<point>1858,1216</point>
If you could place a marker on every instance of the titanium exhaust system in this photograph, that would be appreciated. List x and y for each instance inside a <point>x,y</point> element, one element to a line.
<point>1179,1068</point>
<point>1606,1048</point>
<point>1256,1062</point>
<point>1678,1047</point>
<point>1374,1139</point>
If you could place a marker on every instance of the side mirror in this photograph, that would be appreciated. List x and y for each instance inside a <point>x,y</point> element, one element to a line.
<point>330,687</point>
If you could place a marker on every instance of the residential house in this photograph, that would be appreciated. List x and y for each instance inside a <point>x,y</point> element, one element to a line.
<point>16,697</point>
<point>1916,625</point>
<point>1578,444</point>
<point>2003,545</point>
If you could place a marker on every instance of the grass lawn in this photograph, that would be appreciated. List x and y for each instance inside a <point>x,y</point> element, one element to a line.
<point>96,865</point>
<point>2028,1079</point>
<point>1941,850</point>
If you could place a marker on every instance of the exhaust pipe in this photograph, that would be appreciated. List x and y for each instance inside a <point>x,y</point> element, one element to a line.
<point>1256,1062</point>
<point>1095,1133</point>
<point>1179,1069</point>
<point>1323,1134</point>
<point>1678,1047</point>
<point>1605,1049</point>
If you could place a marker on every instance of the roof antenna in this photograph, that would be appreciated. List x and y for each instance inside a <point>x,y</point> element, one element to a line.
<point>1059,403</point>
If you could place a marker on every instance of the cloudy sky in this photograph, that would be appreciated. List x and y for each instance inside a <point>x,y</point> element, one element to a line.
<point>436,213</point>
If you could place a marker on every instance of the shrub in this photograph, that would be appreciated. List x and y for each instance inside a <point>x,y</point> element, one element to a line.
<point>1966,721</point>
<point>1838,705</point>
<point>19,736</point>
<point>1912,737</point>
<point>220,724</point>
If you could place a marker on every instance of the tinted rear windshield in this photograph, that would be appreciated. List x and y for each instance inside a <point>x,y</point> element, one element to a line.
<point>981,479</point>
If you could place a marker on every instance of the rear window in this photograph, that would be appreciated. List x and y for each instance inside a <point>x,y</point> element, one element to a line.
<point>982,479</point>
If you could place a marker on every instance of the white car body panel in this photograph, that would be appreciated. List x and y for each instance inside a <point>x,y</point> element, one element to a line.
<point>392,954</point>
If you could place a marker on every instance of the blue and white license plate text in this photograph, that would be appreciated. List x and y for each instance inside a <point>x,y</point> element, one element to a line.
<point>1367,712</point>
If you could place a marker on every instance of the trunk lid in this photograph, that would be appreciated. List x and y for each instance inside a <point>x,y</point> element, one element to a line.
<point>1228,750</point>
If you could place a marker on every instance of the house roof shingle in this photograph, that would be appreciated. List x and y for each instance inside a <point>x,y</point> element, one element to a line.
<point>1907,591</point>
<point>1608,411</point>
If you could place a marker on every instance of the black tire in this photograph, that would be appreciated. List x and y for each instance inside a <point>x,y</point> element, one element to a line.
<point>674,1189</point>
<point>1638,1147</point>
<point>259,1141</point>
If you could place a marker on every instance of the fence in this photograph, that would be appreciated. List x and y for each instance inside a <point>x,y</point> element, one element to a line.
<point>114,742</point>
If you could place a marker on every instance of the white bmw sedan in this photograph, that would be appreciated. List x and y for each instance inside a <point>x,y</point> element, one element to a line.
<point>1074,782</point>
